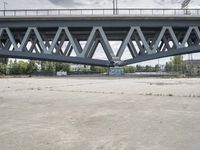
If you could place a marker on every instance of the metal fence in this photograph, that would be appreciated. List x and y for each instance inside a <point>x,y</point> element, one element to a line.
<point>101,12</point>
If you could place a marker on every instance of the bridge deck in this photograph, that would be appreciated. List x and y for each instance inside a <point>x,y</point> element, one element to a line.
<point>105,17</point>
<point>102,12</point>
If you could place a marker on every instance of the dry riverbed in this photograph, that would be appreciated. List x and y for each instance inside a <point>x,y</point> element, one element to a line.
<point>99,114</point>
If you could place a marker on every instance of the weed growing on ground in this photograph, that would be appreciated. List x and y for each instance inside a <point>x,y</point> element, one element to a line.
<point>39,89</point>
<point>169,94</point>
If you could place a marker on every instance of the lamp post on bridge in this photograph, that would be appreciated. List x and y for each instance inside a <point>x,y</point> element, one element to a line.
<point>4,7</point>
<point>115,6</point>
<point>184,5</point>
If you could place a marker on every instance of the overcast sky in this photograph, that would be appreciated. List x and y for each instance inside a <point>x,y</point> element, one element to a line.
<point>47,4</point>
<point>31,4</point>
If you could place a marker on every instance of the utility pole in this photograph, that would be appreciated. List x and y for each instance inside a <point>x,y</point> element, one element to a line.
<point>116,7</point>
<point>113,7</point>
<point>4,7</point>
<point>184,6</point>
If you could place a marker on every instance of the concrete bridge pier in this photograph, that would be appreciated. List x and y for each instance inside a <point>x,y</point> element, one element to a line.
<point>116,71</point>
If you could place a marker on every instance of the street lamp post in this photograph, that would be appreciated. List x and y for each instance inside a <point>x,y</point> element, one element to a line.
<point>4,7</point>
<point>113,7</point>
<point>116,7</point>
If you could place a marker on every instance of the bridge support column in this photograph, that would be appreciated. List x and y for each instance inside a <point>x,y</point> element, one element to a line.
<point>116,71</point>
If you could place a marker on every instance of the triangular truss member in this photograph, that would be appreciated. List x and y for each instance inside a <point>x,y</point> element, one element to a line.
<point>115,45</point>
<point>139,44</point>
<point>127,54</point>
<point>25,39</point>
<point>20,39</point>
<point>161,36</point>
<point>11,38</point>
<point>34,48</point>
<point>93,48</point>
<point>71,39</point>
<point>5,45</point>
<point>97,32</point>
<point>189,31</point>
<point>128,42</point>
<point>61,46</point>
<point>165,45</point>
<point>99,52</point>
<point>39,39</point>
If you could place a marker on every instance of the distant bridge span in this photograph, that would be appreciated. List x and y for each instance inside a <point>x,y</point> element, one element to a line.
<point>44,35</point>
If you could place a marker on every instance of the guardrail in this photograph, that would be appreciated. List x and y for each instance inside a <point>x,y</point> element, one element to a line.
<point>101,12</point>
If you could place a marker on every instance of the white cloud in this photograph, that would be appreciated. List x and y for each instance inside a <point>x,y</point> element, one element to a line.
<point>124,3</point>
<point>28,4</point>
<point>67,3</point>
<point>32,4</point>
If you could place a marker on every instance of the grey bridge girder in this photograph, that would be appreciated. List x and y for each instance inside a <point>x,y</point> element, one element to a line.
<point>181,51</point>
<point>143,42</point>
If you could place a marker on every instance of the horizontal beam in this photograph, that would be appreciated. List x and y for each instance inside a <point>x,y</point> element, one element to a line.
<point>35,56</point>
<point>172,52</point>
<point>83,12</point>
<point>97,21</point>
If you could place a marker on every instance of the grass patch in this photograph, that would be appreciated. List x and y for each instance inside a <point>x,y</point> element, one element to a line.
<point>39,89</point>
<point>149,94</point>
<point>169,94</point>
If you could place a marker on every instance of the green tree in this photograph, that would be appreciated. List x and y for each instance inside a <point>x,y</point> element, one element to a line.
<point>31,67</point>
<point>177,60</point>
<point>4,60</point>
<point>147,68</point>
<point>157,68</point>
<point>97,69</point>
<point>22,67</point>
<point>92,68</point>
<point>168,67</point>
<point>175,65</point>
<point>3,68</point>
<point>19,67</point>
<point>62,67</point>
<point>47,66</point>
<point>129,69</point>
<point>138,68</point>
<point>13,67</point>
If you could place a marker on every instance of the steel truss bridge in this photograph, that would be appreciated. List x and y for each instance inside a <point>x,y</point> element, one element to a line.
<point>58,35</point>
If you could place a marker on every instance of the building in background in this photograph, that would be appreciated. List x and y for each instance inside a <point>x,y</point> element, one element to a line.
<point>79,68</point>
<point>192,66</point>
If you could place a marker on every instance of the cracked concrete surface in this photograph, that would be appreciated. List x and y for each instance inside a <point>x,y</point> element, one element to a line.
<point>99,114</point>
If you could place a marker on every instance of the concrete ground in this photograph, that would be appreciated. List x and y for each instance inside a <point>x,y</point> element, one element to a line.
<point>99,114</point>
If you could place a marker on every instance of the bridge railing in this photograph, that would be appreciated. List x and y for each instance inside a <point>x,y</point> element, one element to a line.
<point>101,12</point>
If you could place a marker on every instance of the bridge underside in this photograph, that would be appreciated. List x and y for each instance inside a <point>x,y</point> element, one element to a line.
<point>77,40</point>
